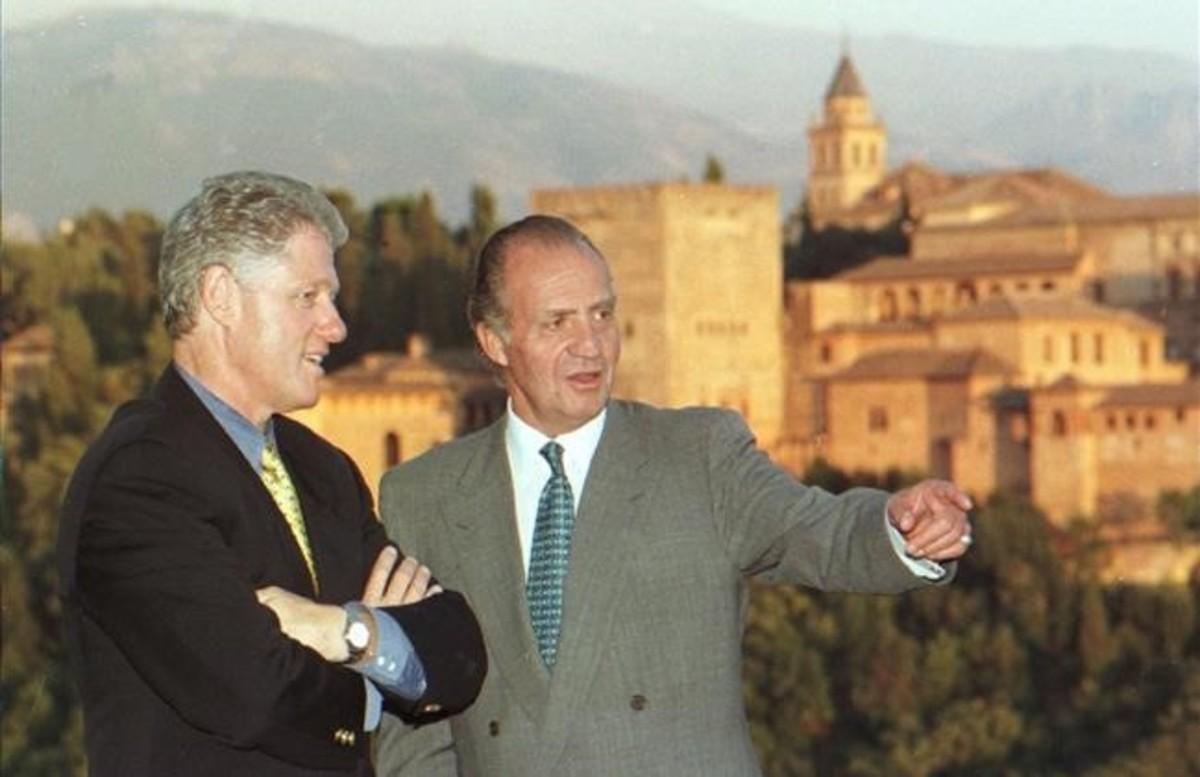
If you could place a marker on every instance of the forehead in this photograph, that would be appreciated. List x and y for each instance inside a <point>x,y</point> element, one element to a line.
<point>308,253</point>
<point>538,272</point>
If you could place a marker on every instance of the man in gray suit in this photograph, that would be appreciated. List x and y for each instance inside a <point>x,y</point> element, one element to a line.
<point>606,545</point>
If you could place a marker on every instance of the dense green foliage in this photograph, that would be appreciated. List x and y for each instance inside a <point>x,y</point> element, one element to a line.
<point>1022,666</point>
<point>815,254</point>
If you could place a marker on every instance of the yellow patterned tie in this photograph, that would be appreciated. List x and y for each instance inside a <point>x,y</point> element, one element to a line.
<point>275,478</point>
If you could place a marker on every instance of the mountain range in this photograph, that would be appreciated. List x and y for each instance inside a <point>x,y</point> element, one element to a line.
<point>129,109</point>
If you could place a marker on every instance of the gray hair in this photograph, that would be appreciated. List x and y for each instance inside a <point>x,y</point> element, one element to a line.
<point>485,301</point>
<point>241,220</point>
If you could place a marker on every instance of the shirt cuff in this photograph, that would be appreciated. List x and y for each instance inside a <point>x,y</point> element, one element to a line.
<point>374,706</point>
<point>395,668</point>
<point>921,567</point>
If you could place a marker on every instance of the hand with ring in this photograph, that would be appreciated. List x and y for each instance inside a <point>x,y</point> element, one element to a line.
<point>932,517</point>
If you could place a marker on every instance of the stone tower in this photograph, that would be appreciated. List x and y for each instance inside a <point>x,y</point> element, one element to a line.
<point>698,276</point>
<point>847,149</point>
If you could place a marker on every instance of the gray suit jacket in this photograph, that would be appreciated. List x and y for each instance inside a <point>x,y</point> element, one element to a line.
<point>679,510</point>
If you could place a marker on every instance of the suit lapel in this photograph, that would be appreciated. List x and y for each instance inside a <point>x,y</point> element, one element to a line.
<point>609,512</point>
<point>325,536</point>
<point>484,528</point>
<point>229,466</point>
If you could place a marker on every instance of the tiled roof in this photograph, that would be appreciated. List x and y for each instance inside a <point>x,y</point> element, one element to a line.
<point>901,326</point>
<point>899,268</point>
<point>439,369</point>
<point>929,189</point>
<point>846,82</point>
<point>915,180</point>
<point>924,363</point>
<point>1168,206</point>
<point>1033,187</point>
<point>1153,395</point>
<point>1068,307</point>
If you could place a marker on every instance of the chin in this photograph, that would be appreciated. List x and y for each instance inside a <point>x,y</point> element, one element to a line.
<point>305,400</point>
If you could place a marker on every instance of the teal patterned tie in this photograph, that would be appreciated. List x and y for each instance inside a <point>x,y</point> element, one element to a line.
<point>549,555</point>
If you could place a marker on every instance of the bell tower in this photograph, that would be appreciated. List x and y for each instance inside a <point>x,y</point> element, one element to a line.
<point>847,149</point>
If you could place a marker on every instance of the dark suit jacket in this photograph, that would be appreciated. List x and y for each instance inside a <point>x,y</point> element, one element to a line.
<point>166,533</point>
<point>679,510</point>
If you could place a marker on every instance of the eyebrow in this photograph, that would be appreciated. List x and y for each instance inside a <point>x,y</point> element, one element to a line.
<point>607,302</point>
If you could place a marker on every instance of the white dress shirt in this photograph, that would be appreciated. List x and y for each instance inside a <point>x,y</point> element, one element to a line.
<point>530,471</point>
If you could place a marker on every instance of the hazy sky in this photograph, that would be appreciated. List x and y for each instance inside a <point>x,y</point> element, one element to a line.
<point>1162,25</point>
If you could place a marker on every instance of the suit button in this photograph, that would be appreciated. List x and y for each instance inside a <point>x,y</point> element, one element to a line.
<point>494,728</point>
<point>638,702</point>
<point>431,708</point>
<point>344,737</point>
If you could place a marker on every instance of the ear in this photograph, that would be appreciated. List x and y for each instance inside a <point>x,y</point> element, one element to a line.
<point>219,294</point>
<point>492,344</point>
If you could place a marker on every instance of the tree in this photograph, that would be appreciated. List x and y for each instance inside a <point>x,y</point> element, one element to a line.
<point>814,254</point>
<point>714,172</point>
<point>1179,510</point>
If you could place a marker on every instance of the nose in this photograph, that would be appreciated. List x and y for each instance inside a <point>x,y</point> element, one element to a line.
<point>332,327</point>
<point>587,340</point>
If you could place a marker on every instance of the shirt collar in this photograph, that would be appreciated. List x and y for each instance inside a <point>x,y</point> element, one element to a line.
<point>248,438</point>
<point>579,445</point>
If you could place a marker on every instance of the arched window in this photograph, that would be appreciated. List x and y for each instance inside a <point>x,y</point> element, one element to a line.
<point>1058,424</point>
<point>965,294</point>
<point>914,302</point>
<point>391,449</point>
<point>888,307</point>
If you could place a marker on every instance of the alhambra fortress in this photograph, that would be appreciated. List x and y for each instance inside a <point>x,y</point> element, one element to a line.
<point>1041,337</point>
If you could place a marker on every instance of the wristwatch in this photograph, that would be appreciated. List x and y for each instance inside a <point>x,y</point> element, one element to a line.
<point>357,632</point>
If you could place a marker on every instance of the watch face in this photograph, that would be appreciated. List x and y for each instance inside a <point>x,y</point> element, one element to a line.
<point>358,635</point>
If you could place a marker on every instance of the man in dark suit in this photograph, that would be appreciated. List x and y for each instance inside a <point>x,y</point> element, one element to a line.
<point>233,606</point>
<point>607,545</point>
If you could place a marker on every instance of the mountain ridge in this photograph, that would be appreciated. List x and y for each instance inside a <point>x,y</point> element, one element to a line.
<point>129,109</point>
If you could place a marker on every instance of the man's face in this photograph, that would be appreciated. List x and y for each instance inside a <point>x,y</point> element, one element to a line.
<point>562,343</point>
<point>286,322</point>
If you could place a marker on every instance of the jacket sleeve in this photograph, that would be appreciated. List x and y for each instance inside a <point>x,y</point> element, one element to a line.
<point>776,527</point>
